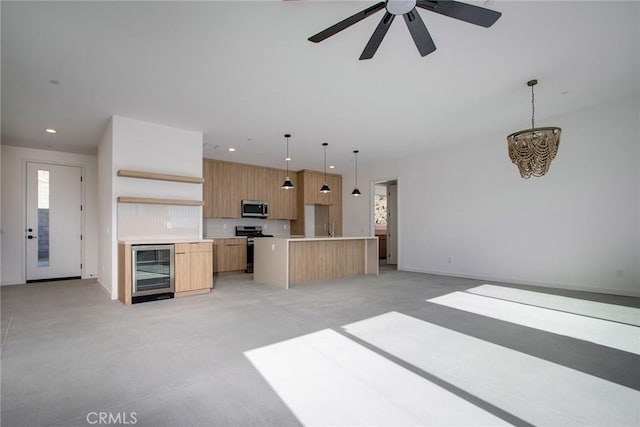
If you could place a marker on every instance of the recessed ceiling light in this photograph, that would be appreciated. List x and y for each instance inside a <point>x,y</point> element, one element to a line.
<point>50,130</point>
<point>332,167</point>
<point>232,149</point>
<point>287,159</point>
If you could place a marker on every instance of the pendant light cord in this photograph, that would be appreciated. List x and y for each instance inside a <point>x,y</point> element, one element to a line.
<point>325,164</point>
<point>533,109</point>
<point>356,169</point>
<point>286,160</point>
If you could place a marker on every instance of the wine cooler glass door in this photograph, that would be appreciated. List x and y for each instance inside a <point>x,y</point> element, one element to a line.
<point>152,269</point>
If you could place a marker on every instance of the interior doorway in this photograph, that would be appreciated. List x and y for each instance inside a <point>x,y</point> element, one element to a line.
<point>385,221</point>
<point>53,229</point>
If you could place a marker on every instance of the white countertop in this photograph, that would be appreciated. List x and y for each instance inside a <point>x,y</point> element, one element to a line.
<point>158,241</point>
<point>225,237</point>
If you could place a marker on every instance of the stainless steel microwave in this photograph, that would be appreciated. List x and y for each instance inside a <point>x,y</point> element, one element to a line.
<point>255,209</point>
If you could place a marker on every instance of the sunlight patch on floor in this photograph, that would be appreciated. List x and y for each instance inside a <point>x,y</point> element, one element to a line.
<point>603,332</point>
<point>535,390</point>
<point>327,379</point>
<point>600,310</point>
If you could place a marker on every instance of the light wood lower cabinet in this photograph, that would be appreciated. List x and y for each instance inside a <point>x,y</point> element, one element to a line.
<point>229,254</point>
<point>193,268</point>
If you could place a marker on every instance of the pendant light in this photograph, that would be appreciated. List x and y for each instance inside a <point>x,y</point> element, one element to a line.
<point>356,192</point>
<point>288,185</point>
<point>532,150</point>
<point>325,188</point>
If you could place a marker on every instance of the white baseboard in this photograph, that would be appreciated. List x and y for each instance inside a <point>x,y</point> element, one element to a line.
<point>106,289</point>
<point>542,284</point>
<point>12,283</point>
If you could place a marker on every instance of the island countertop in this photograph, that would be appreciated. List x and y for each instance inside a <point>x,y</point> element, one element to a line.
<point>288,261</point>
<point>311,239</point>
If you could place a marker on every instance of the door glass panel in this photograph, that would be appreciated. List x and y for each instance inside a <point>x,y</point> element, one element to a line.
<point>43,218</point>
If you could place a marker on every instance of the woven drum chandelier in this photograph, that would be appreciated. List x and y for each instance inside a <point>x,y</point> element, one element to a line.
<point>532,150</point>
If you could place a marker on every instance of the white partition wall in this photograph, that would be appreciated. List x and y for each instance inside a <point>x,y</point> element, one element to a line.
<point>136,145</point>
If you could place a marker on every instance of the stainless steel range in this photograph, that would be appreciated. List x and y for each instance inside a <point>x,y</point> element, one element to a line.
<point>251,232</point>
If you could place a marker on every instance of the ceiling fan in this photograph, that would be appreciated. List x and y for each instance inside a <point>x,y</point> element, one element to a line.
<point>407,8</point>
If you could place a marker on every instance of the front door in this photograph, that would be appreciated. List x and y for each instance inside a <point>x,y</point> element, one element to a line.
<point>54,221</point>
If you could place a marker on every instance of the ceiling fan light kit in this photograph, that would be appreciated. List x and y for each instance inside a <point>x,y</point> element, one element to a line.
<point>407,8</point>
<point>532,150</point>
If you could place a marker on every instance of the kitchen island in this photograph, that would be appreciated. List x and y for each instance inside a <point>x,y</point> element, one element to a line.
<point>285,262</point>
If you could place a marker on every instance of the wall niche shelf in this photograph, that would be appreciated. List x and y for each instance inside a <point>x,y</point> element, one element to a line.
<point>154,201</point>
<point>160,176</point>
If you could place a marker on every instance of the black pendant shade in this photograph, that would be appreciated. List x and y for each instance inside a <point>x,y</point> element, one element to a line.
<point>325,189</point>
<point>288,185</point>
<point>356,192</point>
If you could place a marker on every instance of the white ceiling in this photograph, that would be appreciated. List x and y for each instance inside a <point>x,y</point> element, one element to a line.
<point>243,73</point>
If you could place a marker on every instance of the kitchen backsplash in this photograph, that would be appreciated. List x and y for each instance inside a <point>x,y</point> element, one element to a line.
<point>226,227</point>
<point>140,221</point>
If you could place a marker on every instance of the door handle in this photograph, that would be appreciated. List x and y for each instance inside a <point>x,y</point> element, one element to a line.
<point>32,237</point>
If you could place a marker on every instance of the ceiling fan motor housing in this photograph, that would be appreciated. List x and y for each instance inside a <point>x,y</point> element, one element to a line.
<point>400,7</point>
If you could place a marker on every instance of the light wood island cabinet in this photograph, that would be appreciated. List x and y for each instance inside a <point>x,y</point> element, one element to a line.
<point>193,268</point>
<point>285,262</point>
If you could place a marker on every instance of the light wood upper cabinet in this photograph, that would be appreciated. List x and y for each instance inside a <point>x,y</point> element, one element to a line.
<point>222,187</point>
<point>227,184</point>
<point>310,182</point>
<point>282,202</point>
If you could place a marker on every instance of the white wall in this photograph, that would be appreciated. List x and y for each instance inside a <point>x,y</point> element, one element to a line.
<point>577,227</point>
<point>142,146</point>
<point>107,254</point>
<point>13,208</point>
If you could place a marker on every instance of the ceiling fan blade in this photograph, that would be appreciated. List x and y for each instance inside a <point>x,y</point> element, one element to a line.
<point>462,11</point>
<point>419,32</point>
<point>345,23</point>
<point>377,36</point>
